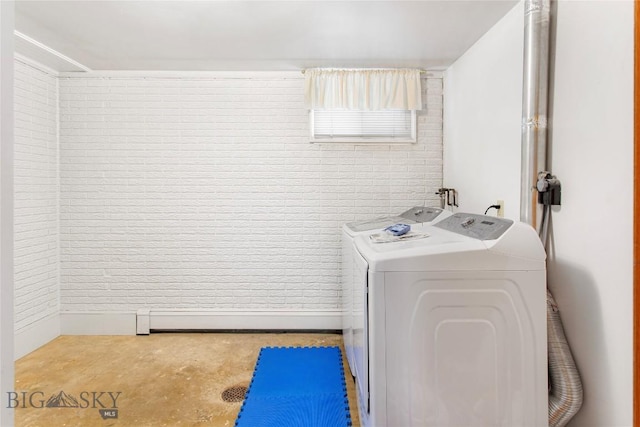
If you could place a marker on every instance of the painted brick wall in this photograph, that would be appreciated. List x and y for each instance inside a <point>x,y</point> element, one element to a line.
<point>36,194</point>
<point>203,192</point>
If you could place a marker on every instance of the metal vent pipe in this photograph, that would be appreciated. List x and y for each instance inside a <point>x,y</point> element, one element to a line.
<point>535,90</point>
<point>565,387</point>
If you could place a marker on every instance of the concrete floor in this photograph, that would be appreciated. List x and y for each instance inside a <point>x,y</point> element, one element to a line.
<point>164,379</point>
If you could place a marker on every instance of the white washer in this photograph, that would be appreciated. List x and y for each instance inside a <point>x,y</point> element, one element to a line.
<point>452,330</point>
<point>415,215</point>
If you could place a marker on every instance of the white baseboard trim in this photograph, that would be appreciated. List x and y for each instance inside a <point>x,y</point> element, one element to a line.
<point>97,323</point>
<point>290,320</point>
<point>146,320</point>
<point>36,335</point>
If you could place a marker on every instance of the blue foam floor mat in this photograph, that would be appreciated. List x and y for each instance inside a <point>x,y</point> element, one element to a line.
<point>296,387</point>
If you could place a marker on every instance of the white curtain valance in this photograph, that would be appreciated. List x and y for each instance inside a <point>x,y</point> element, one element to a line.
<point>355,89</point>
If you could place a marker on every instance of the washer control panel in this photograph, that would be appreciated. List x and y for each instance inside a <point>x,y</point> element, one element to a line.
<point>421,214</point>
<point>479,227</point>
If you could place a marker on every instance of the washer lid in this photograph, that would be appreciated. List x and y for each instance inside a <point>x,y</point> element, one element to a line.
<point>424,214</point>
<point>356,227</point>
<point>517,248</point>
<point>417,214</point>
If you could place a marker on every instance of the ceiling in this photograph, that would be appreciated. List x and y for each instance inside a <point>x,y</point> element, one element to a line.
<point>242,35</point>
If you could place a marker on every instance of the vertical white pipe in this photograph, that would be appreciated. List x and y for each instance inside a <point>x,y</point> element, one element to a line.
<point>534,104</point>
<point>6,210</point>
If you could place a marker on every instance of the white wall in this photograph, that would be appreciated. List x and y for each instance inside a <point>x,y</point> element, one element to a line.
<point>202,192</point>
<point>591,267</point>
<point>591,152</point>
<point>37,302</point>
<point>482,115</point>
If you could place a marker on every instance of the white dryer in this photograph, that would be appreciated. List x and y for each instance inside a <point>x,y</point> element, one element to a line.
<point>453,327</point>
<point>415,215</point>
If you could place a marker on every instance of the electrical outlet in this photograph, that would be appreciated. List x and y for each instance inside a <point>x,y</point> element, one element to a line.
<point>501,210</point>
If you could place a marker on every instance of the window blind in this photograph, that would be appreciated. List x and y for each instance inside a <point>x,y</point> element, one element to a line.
<point>341,125</point>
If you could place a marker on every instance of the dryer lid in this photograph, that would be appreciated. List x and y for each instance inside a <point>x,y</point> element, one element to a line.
<point>476,226</point>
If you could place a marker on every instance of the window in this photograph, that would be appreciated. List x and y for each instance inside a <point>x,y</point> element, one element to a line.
<point>363,105</point>
<point>358,126</point>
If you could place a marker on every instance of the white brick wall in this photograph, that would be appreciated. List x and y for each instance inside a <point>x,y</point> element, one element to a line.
<point>36,194</point>
<point>203,192</point>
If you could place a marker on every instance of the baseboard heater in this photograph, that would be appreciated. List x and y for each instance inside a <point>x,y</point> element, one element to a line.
<point>149,320</point>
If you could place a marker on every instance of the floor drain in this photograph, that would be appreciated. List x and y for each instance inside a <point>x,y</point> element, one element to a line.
<point>234,394</point>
